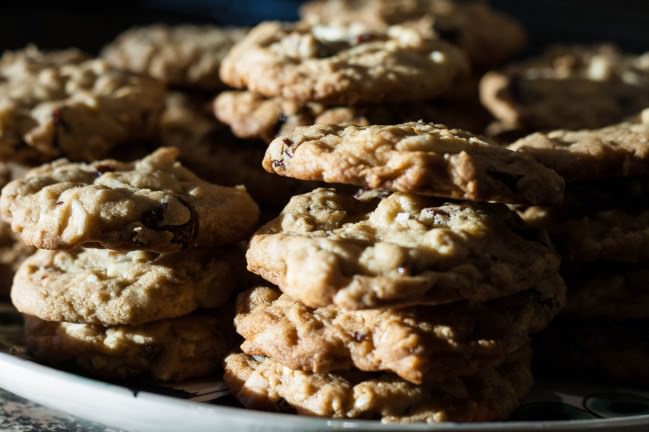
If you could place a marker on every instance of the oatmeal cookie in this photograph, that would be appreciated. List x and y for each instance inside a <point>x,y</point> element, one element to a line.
<point>492,394</point>
<point>208,149</point>
<point>99,286</point>
<point>540,94</point>
<point>175,349</point>
<point>418,158</point>
<point>329,247</point>
<point>419,344</point>
<point>153,204</point>
<point>58,105</point>
<point>338,65</point>
<point>251,116</point>
<point>486,36</point>
<point>183,56</point>
<point>621,150</point>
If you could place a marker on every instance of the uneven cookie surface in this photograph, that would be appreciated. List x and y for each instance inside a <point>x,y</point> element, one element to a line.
<point>153,204</point>
<point>255,117</point>
<point>175,349</point>
<point>419,158</point>
<point>99,286</point>
<point>541,93</point>
<point>61,105</point>
<point>419,344</point>
<point>493,394</point>
<point>182,56</point>
<point>620,150</point>
<point>329,247</point>
<point>339,65</point>
<point>486,36</point>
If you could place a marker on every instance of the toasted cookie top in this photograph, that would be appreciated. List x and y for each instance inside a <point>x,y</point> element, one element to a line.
<point>337,65</point>
<point>183,56</point>
<point>569,87</point>
<point>420,344</point>
<point>60,105</point>
<point>486,36</point>
<point>152,204</point>
<point>328,247</point>
<point>418,158</point>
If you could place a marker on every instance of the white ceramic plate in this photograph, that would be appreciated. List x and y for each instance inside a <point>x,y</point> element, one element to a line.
<point>200,406</point>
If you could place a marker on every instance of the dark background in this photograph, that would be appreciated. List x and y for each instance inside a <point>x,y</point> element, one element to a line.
<point>61,24</point>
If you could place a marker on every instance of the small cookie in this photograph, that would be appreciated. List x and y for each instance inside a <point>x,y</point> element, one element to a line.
<point>569,87</point>
<point>99,286</point>
<point>340,65</point>
<point>261,383</point>
<point>607,291</point>
<point>153,204</point>
<point>57,105</point>
<point>419,344</point>
<point>251,116</point>
<point>208,149</point>
<point>606,349</point>
<point>618,236</point>
<point>418,158</point>
<point>184,56</point>
<point>328,247</point>
<point>175,349</point>
<point>486,36</point>
<point>621,150</point>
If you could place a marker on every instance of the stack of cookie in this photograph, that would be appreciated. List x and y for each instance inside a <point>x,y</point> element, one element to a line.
<point>136,259</point>
<point>601,231</point>
<point>362,62</point>
<point>395,305</point>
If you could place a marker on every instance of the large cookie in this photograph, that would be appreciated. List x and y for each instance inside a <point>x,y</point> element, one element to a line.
<point>99,286</point>
<point>251,116</point>
<point>571,87</point>
<point>182,56</point>
<point>621,150</point>
<point>606,349</point>
<point>56,104</point>
<point>492,394</point>
<point>419,344</point>
<point>418,158</point>
<point>208,148</point>
<point>486,36</point>
<point>153,204</point>
<point>328,247</point>
<point>175,349</point>
<point>340,65</point>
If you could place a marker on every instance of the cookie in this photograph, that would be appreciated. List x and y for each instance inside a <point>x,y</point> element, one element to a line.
<point>154,204</point>
<point>208,148</point>
<point>329,247</point>
<point>340,65</point>
<point>418,158</point>
<point>108,288</point>
<point>540,93</point>
<point>607,291</point>
<point>184,56</point>
<point>492,394</point>
<point>619,236</point>
<point>607,349</point>
<point>486,36</point>
<point>58,105</point>
<point>419,344</point>
<point>175,349</point>
<point>251,116</point>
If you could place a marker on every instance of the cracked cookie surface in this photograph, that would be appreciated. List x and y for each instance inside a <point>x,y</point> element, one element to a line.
<point>416,157</point>
<point>328,247</point>
<point>61,105</point>
<point>152,204</point>
<point>340,65</point>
